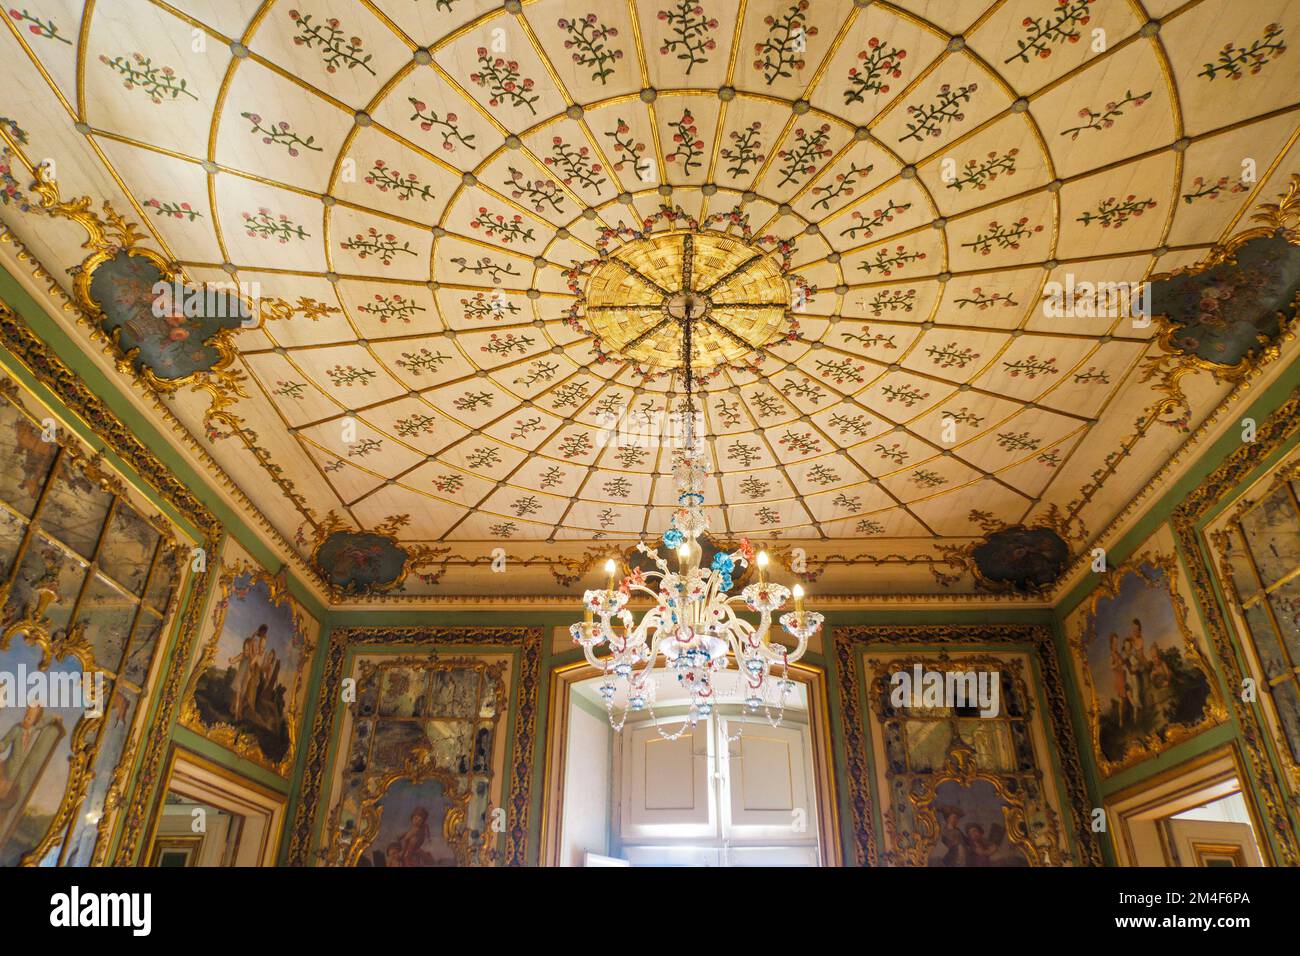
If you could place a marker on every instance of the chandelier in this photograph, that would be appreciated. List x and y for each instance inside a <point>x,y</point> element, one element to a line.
<point>692,626</point>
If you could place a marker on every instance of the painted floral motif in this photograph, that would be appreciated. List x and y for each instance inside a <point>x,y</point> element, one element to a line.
<point>925,478</point>
<point>1002,237</point>
<point>158,82</point>
<point>589,41</point>
<point>1042,32</point>
<point>1234,61</point>
<point>981,301</point>
<point>345,376</point>
<point>395,306</point>
<point>928,120</point>
<point>294,390</point>
<point>951,355</point>
<point>1200,188</point>
<point>336,48</point>
<point>539,193</point>
<point>865,225</point>
<point>780,53</point>
<point>805,443</point>
<point>1112,212</point>
<point>525,427</point>
<point>473,401</point>
<point>627,150</point>
<point>576,445</point>
<point>1031,367</point>
<point>484,266</point>
<point>849,425</point>
<point>501,78</point>
<point>507,344</point>
<point>886,261</point>
<point>870,340</point>
<point>421,424</point>
<point>500,228</point>
<point>446,125</point>
<point>690,38</point>
<point>449,483</point>
<point>979,173</point>
<point>480,306</point>
<point>425,360</point>
<point>842,185</point>
<point>801,158</point>
<point>1013,442</point>
<point>687,145</point>
<point>382,246</point>
<point>869,526</point>
<point>574,165</point>
<point>839,372</point>
<point>895,452</point>
<point>878,62</point>
<point>280,134</point>
<point>1106,120</point>
<point>45,29</point>
<point>1093,376</point>
<point>887,300</point>
<point>386,180</point>
<point>745,150</point>
<point>265,225</point>
<point>173,210</point>
<point>905,395</point>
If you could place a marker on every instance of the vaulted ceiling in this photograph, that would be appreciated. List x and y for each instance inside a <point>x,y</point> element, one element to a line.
<point>446,207</point>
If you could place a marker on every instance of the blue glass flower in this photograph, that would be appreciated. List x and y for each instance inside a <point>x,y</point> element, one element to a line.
<point>723,562</point>
<point>673,538</point>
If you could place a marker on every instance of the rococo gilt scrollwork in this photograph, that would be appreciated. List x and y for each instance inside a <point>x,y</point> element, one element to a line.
<point>1229,313</point>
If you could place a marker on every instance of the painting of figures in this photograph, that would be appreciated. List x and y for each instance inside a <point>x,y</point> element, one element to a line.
<point>972,827</point>
<point>1149,684</point>
<point>248,688</point>
<point>411,821</point>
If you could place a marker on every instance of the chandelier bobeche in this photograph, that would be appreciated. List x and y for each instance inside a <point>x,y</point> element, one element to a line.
<point>692,625</point>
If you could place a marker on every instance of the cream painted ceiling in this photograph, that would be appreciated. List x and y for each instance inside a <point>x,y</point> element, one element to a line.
<point>425,170</point>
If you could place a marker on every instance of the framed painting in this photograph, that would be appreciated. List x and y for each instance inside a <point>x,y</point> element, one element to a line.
<point>247,690</point>
<point>958,787</point>
<point>945,782</point>
<point>1146,681</point>
<point>423,763</point>
<point>421,751</point>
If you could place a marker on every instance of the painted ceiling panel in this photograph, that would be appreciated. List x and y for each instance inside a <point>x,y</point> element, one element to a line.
<point>435,201</point>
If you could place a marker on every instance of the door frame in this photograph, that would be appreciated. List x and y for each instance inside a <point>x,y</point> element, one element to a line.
<point>559,701</point>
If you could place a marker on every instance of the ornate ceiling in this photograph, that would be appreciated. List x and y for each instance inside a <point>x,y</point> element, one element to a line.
<point>475,228</point>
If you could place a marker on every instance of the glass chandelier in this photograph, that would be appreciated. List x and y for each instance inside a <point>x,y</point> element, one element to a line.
<point>692,624</point>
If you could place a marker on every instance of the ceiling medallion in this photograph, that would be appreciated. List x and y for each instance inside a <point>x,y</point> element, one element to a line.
<point>734,292</point>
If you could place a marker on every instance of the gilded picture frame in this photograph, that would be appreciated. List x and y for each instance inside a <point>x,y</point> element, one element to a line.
<point>1150,573</point>
<point>239,739</point>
